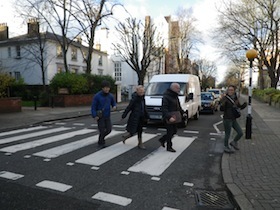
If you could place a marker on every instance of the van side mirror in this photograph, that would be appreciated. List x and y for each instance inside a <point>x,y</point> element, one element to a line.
<point>190,96</point>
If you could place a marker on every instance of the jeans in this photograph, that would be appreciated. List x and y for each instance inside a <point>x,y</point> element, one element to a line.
<point>228,124</point>
<point>104,127</point>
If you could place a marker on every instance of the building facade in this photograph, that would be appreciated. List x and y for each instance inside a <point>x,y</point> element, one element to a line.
<point>37,57</point>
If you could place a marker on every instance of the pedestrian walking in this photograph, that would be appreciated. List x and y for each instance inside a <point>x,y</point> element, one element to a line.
<point>230,105</point>
<point>138,116</point>
<point>101,111</point>
<point>172,114</point>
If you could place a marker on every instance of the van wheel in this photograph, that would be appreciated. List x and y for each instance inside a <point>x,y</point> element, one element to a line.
<point>183,124</point>
<point>196,116</point>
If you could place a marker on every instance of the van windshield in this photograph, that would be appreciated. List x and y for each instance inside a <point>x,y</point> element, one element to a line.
<point>158,88</point>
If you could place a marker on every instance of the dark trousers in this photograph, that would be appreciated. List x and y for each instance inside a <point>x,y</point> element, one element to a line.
<point>104,127</point>
<point>228,124</point>
<point>171,131</point>
<point>140,128</point>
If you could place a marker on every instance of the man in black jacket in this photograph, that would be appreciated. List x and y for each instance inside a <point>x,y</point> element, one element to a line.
<point>170,103</point>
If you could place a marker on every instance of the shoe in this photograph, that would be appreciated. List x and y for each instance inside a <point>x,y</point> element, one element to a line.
<point>228,150</point>
<point>234,144</point>
<point>171,150</point>
<point>161,143</point>
<point>125,137</point>
<point>101,146</point>
<point>140,144</point>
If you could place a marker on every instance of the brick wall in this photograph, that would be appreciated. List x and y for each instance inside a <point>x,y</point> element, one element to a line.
<point>8,105</point>
<point>72,100</point>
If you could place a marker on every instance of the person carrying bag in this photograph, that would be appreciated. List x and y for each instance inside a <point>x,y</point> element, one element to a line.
<point>231,107</point>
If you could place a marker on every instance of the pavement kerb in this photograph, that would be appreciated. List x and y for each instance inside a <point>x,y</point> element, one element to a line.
<point>239,197</point>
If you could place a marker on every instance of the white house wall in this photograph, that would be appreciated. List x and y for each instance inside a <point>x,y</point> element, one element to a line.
<point>31,71</point>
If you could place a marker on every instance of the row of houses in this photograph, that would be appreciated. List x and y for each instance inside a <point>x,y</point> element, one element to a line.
<point>19,57</point>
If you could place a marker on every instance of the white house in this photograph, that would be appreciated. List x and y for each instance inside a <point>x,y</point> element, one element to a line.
<point>19,56</point>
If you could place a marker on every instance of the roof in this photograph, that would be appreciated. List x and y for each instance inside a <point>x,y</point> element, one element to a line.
<point>172,77</point>
<point>47,35</point>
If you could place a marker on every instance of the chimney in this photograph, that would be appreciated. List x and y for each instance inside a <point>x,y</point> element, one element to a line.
<point>79,40</point>
<point>98,47</point>
<point>4,31</point>
<point>33,27</point>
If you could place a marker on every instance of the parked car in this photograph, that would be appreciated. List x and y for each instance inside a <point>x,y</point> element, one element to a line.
<point>208,102</point>
<point>217,92</point>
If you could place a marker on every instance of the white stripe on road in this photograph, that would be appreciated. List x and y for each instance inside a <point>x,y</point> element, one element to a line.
<point>116,199</point>
<point>37,143</point>
<point>66,148</point>
<point>108,153</point>
<point>158,161</point>
<point>54,185</point>
<point>186,131</point>
<point>22,130</point>
<point>30,135</point>
<point>216,126</point>
<point>168,208</point>
<point>79,124</point>
<point>10,175</point>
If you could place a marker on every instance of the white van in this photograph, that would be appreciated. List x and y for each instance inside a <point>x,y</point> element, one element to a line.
<point>189,95</point>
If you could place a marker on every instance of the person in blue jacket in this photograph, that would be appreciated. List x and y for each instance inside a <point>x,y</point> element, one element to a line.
<point>101,111</point>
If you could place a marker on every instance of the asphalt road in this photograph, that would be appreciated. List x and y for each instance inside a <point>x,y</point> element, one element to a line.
<point>59,166</point>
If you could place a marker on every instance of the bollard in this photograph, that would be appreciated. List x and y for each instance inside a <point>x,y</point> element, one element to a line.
<point>35,102</point>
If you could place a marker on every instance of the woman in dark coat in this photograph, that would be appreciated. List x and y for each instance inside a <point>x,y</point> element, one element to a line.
<point>137,117</point>
<point>229,101</point>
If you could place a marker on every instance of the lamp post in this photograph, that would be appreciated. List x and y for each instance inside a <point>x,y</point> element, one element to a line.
<point>251,55</point>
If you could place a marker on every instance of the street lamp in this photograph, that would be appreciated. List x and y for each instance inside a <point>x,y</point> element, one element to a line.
<point>251,55</point>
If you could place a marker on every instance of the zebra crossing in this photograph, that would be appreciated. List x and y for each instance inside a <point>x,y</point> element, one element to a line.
<point>153,164</point>
<point>55,138</point>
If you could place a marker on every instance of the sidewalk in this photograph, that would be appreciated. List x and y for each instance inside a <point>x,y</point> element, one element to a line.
<point>252,174</point>
<point>28,116</point>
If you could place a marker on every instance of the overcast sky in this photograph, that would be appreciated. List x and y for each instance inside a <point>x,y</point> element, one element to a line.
<point>203,10</point>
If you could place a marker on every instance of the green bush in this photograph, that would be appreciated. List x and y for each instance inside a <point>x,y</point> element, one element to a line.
<point>5,82</point>
<point>94,82</point>
<point>75,83</point>
<point>267,95</point>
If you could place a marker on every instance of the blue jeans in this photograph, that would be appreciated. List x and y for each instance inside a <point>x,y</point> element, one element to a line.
<point>228,124</point>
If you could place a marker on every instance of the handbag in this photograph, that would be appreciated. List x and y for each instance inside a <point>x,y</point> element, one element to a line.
<point>176,115</point>
<point>235,110</point>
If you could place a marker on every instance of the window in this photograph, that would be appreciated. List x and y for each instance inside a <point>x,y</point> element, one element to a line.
<point>100,63</point>
<point>158,88</point>
<point>84,56</point>
<point>118,71</point>
<point>17,75</point>
<point>59,68</point>
<point>18,51</point>
<point>58,51</point>
<point>100,71</point>
<point>74,70</point>
<point>9,52</point>
<point>74,54</point>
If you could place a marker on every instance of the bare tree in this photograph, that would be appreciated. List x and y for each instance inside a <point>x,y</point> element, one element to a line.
<point>138,45</point>
<point>188,37</point>
<point>57,16</point>
<point>208,71</point>
<point>247,24</point>
<point>89,14</point>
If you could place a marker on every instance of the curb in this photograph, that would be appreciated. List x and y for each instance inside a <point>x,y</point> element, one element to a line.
<point>239,197</point>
